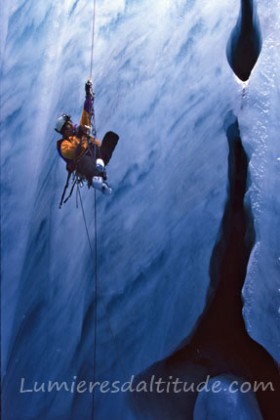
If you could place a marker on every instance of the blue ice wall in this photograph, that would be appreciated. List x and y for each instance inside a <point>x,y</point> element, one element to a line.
<point>162,82</point>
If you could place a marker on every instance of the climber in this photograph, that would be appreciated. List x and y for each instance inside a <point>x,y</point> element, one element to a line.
<point>82,152</point>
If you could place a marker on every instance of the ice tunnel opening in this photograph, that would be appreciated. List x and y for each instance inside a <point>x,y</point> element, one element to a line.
<point>245,42</point>
<point>220,344</point>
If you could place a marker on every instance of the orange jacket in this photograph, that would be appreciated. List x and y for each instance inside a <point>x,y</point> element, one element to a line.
<point>69,146</point>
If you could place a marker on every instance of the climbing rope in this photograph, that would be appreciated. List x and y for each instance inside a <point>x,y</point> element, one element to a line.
<point>92,40</point>
<point>94,249</point>
<point>94,254</point>
<point>94,257</point>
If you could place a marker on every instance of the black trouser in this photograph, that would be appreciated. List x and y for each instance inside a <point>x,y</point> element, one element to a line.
<point>87,164</point>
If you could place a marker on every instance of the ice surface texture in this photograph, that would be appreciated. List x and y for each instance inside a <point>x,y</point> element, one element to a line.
<point>163,83</point>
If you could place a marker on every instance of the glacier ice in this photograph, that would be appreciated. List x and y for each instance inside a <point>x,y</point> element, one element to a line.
<point>163,83</point>
<point>225,404</point>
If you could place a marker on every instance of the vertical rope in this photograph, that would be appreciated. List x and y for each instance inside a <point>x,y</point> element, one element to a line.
<point>92,39</point>
<point>94,257</point>
<point>95,294</point>
<point>95,253</point>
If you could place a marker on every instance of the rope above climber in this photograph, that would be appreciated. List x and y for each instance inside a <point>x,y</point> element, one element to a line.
<point>86,157</point>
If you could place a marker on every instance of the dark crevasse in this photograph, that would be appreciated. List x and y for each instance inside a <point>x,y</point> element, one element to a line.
<point>220,343</point>
<point>245,42</point>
